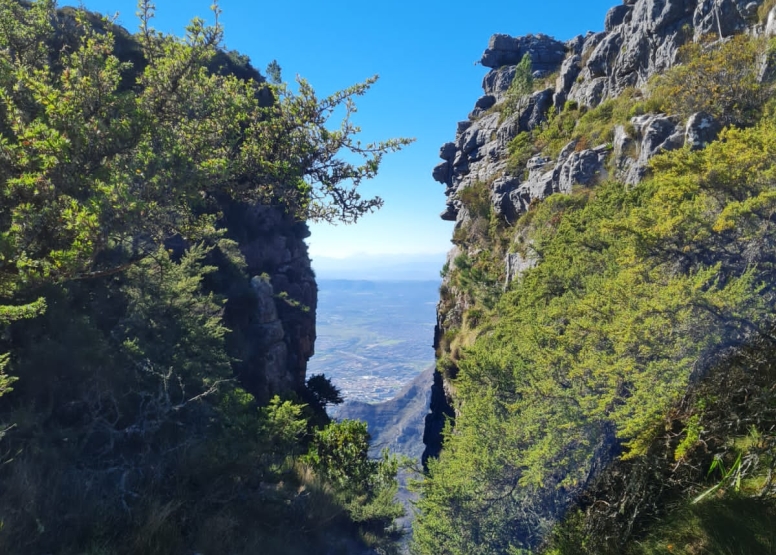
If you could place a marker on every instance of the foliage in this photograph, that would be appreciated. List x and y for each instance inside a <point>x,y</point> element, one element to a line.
<point>171,323</point>
<point>274,73</point>
<point>764,9</point>
<point>339,452</point>
<point>521,85</point>
<point>637,292</point>
<point>585,128</point>
<point>721,79</point>
<point>90,167</point>
<point>729,525</point>
<point>521,149</point>
<point>283,425</point>
<point>128,431</point>
<point>476,199</point>
<point>323,391</point>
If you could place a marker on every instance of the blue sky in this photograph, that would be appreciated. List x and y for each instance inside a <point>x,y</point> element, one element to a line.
<point>424,52</point>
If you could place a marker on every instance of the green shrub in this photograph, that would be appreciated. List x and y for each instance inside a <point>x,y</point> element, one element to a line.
<point>522,85</point>
<point>636,292</point>
<point>721,80</point>
<point>476,199</point>
<point>520,149</point>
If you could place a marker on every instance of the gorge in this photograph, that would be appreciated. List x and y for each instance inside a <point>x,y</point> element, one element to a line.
<point>604,335</point>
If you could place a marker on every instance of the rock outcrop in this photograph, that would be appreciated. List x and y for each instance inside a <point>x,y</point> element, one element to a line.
<point>642,38</point>
<point>272,316</point>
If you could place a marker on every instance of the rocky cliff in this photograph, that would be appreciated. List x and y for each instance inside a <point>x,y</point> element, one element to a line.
<point>273,315</point>
<point>493,178</point>
<point>642,38</point>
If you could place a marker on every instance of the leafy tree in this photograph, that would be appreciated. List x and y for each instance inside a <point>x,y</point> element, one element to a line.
<point>340,453</point>
<point>283,425</point>
<point>521,85</point>
<point>118,157</point>
<point>323,391</point>
<point>96,175</point>
<point>170,323</point>
<point>274,73</point>
<point>97,167</point>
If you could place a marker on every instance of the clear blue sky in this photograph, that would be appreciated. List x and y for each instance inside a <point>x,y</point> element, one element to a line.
<point>424,52</point>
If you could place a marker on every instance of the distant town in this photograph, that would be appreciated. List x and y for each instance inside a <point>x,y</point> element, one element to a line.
<point>374,337</point>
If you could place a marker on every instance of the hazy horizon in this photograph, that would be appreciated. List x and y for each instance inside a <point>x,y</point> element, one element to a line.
<point>380,267</point>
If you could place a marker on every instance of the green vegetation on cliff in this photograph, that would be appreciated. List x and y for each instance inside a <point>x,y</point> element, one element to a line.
<point>649,314</point>
<point>129,428</point>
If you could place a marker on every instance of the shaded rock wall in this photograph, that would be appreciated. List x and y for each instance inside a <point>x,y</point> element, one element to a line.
<point>272,313</point>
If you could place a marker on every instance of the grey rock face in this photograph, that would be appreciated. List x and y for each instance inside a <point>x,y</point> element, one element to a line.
<point>269,337</point>
<point>485,102</point>
<point>568,73</point>
<point>535,110</point>
<point>590,92</point>
<point>497,81</point>
<point>723,17</point>
<point>602,58</point>
<point>546,53</point>
<point>447,152</point>
<point>266,311</point>
<point>642,38</point>
<point>770,26</point>
<point>653,134</point>
<point>279,336</point>
<point>659,133</point>
<point>701,129</point>
<point>516,264</point>
<point>443,173</point>
<point>616,16</point>
<point>583,168</point>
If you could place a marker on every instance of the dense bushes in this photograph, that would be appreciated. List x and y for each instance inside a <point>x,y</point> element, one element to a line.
<point>636,294</point>
<point>127,430</point>
<point>721,79</point>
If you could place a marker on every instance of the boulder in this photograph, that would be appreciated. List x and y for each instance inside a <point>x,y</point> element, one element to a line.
<point>574,46</point>
<point>535,110</point>
<point>462,127</point>
<point>701,129</point>
<point>770,25</point>
<point>515,265</point>
<point>590,92</point>
<point>658,133</point>
<point>568,73</point>
<point>721,17</point>
<point>584,168</point>
<point>447,151</point>
<point>265,310</point>
<point>603,56</point>
<point>485,102</point>
<point>497,81</point>
<point>450,212</point>
<point>616,16</point>
<point>443,173</point>
<point>503,50</point>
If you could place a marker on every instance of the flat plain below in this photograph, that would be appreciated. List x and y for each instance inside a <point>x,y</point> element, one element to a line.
<point>374,337</point>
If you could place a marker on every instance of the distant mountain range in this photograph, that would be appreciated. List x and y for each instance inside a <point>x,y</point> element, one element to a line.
<point>380,267</point>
